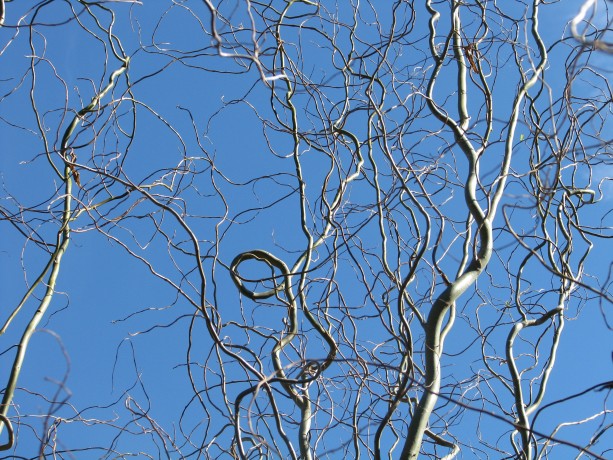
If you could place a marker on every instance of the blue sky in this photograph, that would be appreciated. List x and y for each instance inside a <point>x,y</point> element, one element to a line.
<point>129,335</point>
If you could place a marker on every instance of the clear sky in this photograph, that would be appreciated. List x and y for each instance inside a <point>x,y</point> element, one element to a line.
<point>209,138</point>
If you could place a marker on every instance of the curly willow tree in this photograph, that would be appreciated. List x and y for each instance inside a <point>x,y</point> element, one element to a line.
<point>305,229</point>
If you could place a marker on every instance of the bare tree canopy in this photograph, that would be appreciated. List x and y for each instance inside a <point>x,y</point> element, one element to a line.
<point>300,229</point>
